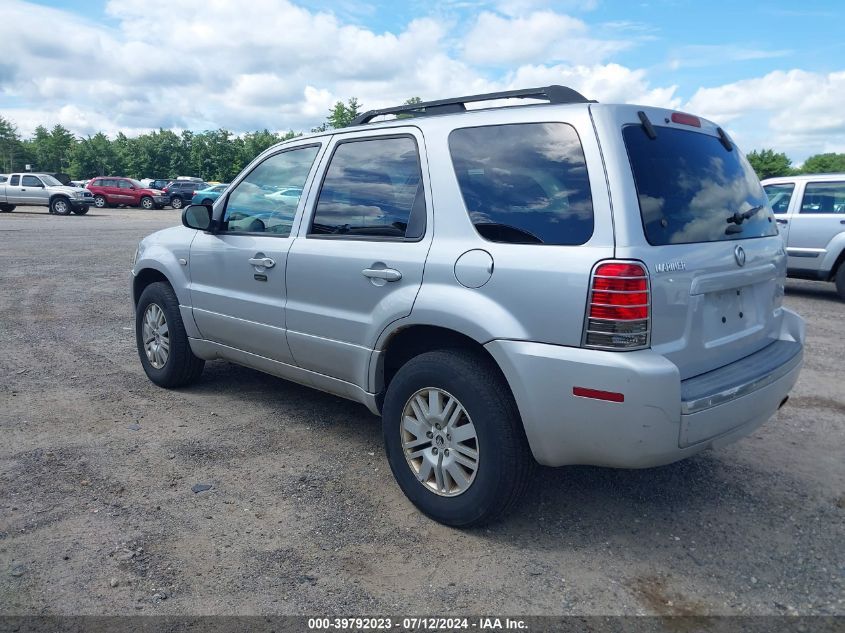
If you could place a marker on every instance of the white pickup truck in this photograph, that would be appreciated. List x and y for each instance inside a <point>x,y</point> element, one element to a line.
<point>43,190</point>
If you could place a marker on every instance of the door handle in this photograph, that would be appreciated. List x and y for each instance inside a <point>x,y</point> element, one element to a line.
<point>781,221</point>
<point>841,221</point>
<point>266,262</point>
<point>388,274</point>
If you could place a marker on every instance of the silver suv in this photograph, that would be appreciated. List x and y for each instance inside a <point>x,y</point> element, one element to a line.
<point>561,282</point>
<point>811,212</point>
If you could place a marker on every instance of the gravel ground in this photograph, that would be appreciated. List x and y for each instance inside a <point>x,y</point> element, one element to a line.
<point>97,466</point>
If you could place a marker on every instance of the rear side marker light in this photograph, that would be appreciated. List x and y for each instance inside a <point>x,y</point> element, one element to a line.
<point>619,309</point>
<point>597,394</point>
<point>686,119</point>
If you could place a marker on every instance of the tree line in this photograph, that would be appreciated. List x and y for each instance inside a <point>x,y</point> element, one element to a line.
<point>212,155</point>
<point>770,164</point>
<point>221,154</point>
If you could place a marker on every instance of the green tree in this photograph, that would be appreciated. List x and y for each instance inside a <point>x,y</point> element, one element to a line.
<point>768,163</point>
<point>95,156</point>
<point>10,145</point>
<point>830,163</point>
<point>342,115</point>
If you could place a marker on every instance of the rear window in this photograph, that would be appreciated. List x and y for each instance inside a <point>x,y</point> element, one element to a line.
<point>524,183</point>
<point>691,189</point>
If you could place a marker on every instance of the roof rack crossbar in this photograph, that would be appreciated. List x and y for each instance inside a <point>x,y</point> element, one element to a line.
<point>553,94</point>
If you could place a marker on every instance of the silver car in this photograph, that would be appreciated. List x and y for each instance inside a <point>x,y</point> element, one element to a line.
<point>811,211</point>
<point>557,283</point>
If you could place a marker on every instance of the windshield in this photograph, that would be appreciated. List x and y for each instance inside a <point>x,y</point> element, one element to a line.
<point>136,184</point>
<point>50,181</point>
<point>692,189</point>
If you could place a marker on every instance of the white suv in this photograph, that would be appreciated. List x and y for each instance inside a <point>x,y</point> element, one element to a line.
<point>565,283</point>
<point>811,212</point>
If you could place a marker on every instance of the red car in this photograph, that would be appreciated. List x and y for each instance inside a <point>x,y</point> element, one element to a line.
<point>110,191</point>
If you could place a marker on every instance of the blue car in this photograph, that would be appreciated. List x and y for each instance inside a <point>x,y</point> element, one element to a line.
<point>208,195</point>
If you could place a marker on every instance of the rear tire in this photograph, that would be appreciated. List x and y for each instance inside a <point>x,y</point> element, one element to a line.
<point>81,210</point>
<point>208,202</point>
<point>177,366</point>
<point>7,208</point>
<point>503,461</point>
<point>840,281</point>
<point>60,206</point>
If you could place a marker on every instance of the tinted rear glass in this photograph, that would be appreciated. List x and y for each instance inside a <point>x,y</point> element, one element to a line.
<point>524,183</point>
<point>689,185</point>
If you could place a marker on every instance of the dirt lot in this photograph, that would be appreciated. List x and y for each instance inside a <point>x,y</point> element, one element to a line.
<point>97,513</point>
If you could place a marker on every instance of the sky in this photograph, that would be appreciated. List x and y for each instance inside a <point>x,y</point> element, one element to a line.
<point>772,73</point>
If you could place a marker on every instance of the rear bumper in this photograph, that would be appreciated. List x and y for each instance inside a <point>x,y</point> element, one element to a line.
<point>662,418</point>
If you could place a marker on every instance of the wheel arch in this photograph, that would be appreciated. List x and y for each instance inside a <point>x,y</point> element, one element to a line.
<point>408,341</point>
<point>144,278</point>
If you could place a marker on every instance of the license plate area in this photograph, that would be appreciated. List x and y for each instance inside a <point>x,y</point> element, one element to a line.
<point>731,314</point>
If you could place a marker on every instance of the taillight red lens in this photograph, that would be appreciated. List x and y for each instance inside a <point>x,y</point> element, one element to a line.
<point>686,119</point>
<point>618,312</point>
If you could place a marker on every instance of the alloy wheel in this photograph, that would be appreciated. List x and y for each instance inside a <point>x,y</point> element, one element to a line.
<point>439,441</point>
<point>156,336</point>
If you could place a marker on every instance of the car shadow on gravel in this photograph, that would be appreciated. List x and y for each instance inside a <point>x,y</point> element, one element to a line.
<point>822,290</point>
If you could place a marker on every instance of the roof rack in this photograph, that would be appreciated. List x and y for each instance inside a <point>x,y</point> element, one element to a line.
<point>553,94</point>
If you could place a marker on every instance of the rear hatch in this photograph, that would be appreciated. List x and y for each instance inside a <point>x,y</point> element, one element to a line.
<point>687,204</point>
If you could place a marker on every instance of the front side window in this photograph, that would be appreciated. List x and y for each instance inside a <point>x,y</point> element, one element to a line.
<point>823,197</point>
<point>31,181</point>
<point>692,189</point>
<point>124,184</point>
<point>524,183</point>
<point>259,203</point>
<point>372,188</point>
<point>779,196</point>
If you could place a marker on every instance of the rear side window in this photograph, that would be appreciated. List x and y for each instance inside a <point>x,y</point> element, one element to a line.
<point>779,196</point>
<point>372,188</point>
<point>524,183</point>
<point>823,197</point>
<point>691,189</point>
<point>15,180</point>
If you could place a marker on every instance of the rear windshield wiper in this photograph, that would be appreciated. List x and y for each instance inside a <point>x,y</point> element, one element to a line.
<point>739,218</point>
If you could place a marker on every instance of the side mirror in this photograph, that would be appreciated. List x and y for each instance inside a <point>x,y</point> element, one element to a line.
<point>132,187</point>
<point>197,216</point>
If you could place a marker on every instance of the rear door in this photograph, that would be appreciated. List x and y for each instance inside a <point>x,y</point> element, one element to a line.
<point>689,206</point>
<point>816,221</point>
<point>358,263</point>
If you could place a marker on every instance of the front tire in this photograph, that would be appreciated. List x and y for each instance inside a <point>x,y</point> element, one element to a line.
<point>454,438</point>
<point>147,203</point>
<point>99,202</point>
<point>81,210</point>
<point>176,203</point>
<point>840,281</point>
<point>161,338</point>
<point>60,206</point>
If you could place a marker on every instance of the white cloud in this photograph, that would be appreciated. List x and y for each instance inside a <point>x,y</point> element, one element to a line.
<point>795,111</point>
<point>540,37</point>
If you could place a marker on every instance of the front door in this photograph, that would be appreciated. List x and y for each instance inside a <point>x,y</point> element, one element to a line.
<point>819,219</point>
<point>33,191</point>
<point>357,264</point>
<point>238,274</point>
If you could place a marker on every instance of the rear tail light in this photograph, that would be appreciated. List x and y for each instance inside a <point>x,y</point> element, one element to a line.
<point>619,308</point>
<point>165,190</point>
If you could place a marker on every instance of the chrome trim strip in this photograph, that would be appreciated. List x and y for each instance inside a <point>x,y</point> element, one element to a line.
<point>737,391</point>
